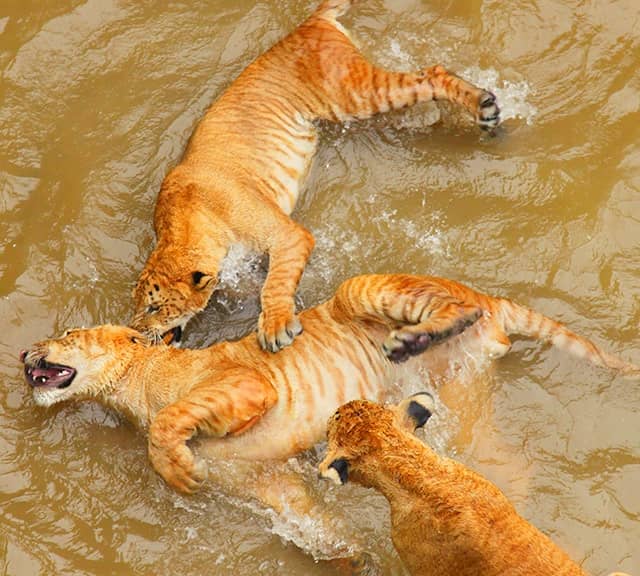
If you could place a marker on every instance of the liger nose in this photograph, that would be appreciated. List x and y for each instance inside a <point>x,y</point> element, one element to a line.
<point>23,355</point>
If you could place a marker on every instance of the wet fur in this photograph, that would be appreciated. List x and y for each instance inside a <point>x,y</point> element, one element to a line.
<point>235,393</point>
<point>446,520</point>
<point>240,176</point>
<point>246,405</point>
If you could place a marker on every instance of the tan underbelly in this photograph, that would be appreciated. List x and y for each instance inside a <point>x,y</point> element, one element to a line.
<point>353,367</point>
<point>328,365</point>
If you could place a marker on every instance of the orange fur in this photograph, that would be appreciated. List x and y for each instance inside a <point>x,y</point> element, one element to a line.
<point>245,405</point>
<point>240,176</point>
<point>446,520</point>
<point>235,394</point>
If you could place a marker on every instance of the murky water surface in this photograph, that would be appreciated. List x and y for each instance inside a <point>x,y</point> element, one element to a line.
<point>98,101</point>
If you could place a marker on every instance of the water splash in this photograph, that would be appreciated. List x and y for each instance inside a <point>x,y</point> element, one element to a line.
<point>512,96</point>
<point>239,264</point>
<point>308,534</point>
<point>242,273</point>
<point>425,236</point>
<point>340,253</point>
<point>400,56</point>
<point>320,540</point>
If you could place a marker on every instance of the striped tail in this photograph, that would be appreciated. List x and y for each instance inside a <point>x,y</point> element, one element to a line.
<point>518,319</point>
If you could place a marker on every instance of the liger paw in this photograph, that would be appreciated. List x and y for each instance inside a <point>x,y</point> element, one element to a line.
<point>180,469</point>
<point>274,333</point>
<point>488,113</point>
<point>409,341</point>
<point>402,344</point>
<point>360,564</point>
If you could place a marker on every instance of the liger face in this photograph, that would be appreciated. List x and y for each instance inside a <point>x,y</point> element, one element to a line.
<point>77,363</point>
<point>164,305</point>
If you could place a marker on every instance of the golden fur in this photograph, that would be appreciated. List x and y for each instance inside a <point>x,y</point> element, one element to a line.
<point>248,406</point>
<point>446,520</point>
<point>236,394</point>
<point>240,176</point>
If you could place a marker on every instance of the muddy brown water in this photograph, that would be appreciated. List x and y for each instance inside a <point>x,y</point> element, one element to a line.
<point>98,100</point>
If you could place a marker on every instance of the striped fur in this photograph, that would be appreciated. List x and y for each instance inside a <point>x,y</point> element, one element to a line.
<point>501,317</point>
<point>255,405</point>
<point>253,408</point>
<point>240,176</point>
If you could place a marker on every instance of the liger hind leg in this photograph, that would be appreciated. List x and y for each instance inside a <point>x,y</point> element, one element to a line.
<point>442,318</point>
<point>420,310</point>
<point>286,497</point>
<point>381,90</point>
<point>354,88</point>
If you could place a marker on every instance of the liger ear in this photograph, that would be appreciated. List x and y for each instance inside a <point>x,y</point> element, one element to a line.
<point>337,471</point>
<point>200,279</point>
<point>414,412</point>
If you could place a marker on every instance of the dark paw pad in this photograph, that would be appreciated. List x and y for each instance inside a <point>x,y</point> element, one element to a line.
<point>404,343</point>
<point>400,346</point>
<point>487,99</point>
<point>488,112</point>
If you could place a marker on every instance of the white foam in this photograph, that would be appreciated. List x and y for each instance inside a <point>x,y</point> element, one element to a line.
<point>239,263</point>
<point>400,56</point>
<point>512,96</point>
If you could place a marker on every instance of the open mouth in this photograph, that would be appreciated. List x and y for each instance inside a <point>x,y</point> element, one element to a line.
<point>43,373</point>
<point>173,336</point>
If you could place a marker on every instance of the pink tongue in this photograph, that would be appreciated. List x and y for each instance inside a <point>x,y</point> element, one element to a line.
<point>53,376</point>
<point>47,373</point>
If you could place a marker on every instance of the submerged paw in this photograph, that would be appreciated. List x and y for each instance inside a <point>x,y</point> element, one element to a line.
<point>488,114</point>
<point>189,478</point>
<point>275,334</point>
<point>179,467</point>
<point>360,564</point>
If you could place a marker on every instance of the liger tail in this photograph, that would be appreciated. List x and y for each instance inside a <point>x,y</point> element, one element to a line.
<point>520,320</point>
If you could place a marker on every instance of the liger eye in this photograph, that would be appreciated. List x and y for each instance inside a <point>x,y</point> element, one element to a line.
<point>152,309</point>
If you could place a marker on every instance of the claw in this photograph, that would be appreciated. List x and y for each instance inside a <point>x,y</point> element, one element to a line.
<point>488,111</point>
<point>277,339</point>
<point>488,99</point>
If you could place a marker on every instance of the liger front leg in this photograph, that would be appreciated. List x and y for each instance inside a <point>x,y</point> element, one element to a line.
<point>288,255</point>
<point>228,407</point>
